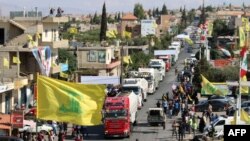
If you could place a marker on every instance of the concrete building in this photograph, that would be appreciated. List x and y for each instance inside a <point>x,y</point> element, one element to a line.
<point>98,61</point>
<point>19,36</point>
<point>129,23</point>
<point>148,27</point>
<point>164,23</point>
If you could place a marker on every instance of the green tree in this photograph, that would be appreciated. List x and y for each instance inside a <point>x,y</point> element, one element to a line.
<point>63,56</point>
<point>164,10</point>
<point>139,59</point>
<point>139,11</point>
<point>202,16</point>
<point>103,24</point>
<point>190,16</point>
<point>154,12</point>
<point>209,8</point>
<point>180,9</point>
<point>184,18</point>
<point>119,17</point>
<point>157,12</point>
<point>150,13</point>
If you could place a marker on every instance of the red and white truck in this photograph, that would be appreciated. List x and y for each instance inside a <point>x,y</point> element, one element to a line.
<point>120,114</point>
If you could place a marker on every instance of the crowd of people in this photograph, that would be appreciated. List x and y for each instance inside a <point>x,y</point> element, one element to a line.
<point>182,104</point>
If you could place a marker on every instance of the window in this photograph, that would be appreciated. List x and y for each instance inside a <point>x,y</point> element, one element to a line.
<point>92,56</point>
<point>222,122</point>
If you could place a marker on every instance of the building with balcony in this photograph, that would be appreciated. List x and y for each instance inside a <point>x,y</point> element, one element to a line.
<point>18,37</point>
<point>100,61</point>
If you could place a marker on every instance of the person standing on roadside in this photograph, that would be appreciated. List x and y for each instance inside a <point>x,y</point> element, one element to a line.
<point>165,106</point>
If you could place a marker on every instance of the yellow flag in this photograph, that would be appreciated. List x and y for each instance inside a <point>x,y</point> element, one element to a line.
<point>69,102</point>
<point>245,23</point>
<point>209,88</point>
<point>127,60</point>
<point>210,28</point>
<point>181,89</point>
<point>244,89</point>
<point>111,33</point>
<point>242,37</point>
<point>189,41</point>
<point>64,75</point>
<point>244,116</point>
<point>6,63</point>
<point>16,60</point>
<point>127,34</point>
<point>72,30</point>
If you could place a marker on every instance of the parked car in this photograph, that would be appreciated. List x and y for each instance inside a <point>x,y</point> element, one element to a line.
<point>217,105</point>
<point>231,100</point>
<point>156,116</point>
<point>30,126</point>
<point>10,138</point>
<point>245,104</point>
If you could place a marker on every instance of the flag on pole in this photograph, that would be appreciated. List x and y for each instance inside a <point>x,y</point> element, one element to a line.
<point>245,24</point>
<point>127,34</point>
<point>189,41</point>
<point>16,60</point>
<point>6,63</point>
<point>210,29</point>
<point>209,88</point>
<point>63,101</point>
<point>243,67</point>
<point>127,60</point>
<point>242,37</point>
<point>111,33</point>
<point>244,116</point>
<point>244,89</point>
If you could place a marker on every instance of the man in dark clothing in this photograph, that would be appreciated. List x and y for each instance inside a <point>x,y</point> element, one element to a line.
<point>181,131</point>
<point>158,104</point>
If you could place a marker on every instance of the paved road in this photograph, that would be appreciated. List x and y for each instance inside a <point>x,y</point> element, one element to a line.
<point>144,132</point>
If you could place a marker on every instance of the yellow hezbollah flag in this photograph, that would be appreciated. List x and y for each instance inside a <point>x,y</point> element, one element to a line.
<point>127,34</point>
<point>181,89</point>
<point>245,23</point>
<point>210,28</point>
<point>189,41</point>
<point>111,33</point>
<point>69,102</point>
<point>244,89</point>
<point>5,63</point>
<point>242,37</point>
<point>127,60</point>
<point>209,88</point>
<point>16,60</point>
<point>244,116</point>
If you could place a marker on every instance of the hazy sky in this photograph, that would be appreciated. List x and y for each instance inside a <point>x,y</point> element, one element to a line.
<point>91,6</point>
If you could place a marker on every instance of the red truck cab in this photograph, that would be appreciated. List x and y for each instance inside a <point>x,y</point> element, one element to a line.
<point>117,117</point>
<point>166,59</point>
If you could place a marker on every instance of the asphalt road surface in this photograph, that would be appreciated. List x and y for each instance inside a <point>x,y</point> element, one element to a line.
<point>144,132</point>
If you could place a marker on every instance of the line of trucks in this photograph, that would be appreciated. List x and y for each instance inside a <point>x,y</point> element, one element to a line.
<point>120,111</point>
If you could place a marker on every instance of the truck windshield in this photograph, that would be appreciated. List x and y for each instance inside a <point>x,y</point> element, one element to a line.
<point>115,113</point>
<point>156,67</point>
<point>148,78</point>
<point>134,89</point>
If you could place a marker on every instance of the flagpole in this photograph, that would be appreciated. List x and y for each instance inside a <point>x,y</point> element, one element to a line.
<point>238,105</point>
